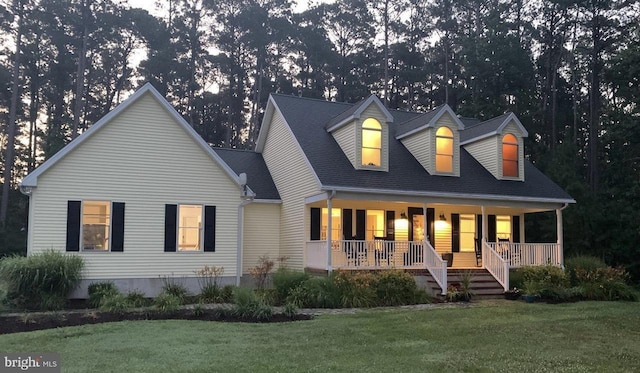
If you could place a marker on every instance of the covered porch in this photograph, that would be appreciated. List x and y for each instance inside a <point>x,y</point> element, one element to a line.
<point>382,234</point>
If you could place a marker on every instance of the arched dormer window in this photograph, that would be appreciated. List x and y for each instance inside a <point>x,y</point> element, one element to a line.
<point>510,156</point>
<point>444,150</point>
<point>371,143</point>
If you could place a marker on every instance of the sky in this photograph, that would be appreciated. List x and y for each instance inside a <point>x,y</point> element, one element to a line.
<point>299,6</point>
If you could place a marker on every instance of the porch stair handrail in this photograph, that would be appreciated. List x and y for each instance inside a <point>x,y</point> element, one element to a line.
<point>495,264</point>
<point>436,266</point>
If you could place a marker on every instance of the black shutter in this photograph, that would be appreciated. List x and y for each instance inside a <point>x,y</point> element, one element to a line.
<point>515,228</point>
<point>455,233</point>
<point>391,225</point>
<point>73,225</point>
<point>170,227</point>
<point>479,227</point>
<point>361,224</point>
<point>316,221</point>
<point>431,228</point>
<point>117,226</point>
<point>347,224</point>
<point>491,227</point>
<point>210,228</point>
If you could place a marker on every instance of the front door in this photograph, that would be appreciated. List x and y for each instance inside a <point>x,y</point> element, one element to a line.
<point>417,229</point>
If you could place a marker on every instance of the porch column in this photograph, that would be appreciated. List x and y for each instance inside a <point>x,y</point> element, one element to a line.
<point>560,238</point>
<point>424,224</point>
<point>329,230</point>
<point>484,224</point>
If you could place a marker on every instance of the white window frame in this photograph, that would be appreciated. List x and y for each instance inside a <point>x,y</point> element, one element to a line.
<point>200,228</point>
<point>362,147</point>
<point>453,151</point>
<point>109,234</point>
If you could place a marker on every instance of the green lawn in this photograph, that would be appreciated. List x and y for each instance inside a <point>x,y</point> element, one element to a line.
<point>497,336</point>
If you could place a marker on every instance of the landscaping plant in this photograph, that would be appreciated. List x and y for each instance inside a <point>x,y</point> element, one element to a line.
<point>99,291</point>
<point>137,299</point>
<point>285,280</point>
<point>115,303</point>
<point>170,286</point>
<point>260,273</point>
<point>249,306</point>
<point>41,281</point>
<point>167,302</point>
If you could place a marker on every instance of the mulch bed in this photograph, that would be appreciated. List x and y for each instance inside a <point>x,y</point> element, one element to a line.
<point>17,323</point>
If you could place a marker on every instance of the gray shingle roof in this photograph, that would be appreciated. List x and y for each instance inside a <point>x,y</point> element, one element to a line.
<point>482,128</point>
<point>308,117</point>
<point>350,110</point>
<point>417,121</point>
<point>258,176</point>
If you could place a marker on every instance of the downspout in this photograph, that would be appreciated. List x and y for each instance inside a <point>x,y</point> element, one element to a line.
<point>330,196</point>
<point>246,199</point>
<point>559,228</point>
<point>28,191</point>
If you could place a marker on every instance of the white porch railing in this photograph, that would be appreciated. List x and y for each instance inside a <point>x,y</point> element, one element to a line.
<point>528,254</point>
<point>436,266</point>
<point>378,254</point>
<point>495,264</point>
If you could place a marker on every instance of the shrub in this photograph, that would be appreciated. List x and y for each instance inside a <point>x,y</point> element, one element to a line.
<point>210,294</point>
<point>544,276</point>
<point>290,310</point>
<point>356,288</point>
<point>582,262</point>
<point>167,302</point>
<point>198,310</point>
<point>249,306</point>
<point>41,281</point>
<point>115,302</point>
<point>227,293</point>
<point>316,292</point>
<point>260,273</point>
<point>170,286</point>
<point>267,296</point>
<point>100,290</point>
<point>208,276</point>
<point>137,299</point>
<point>285,280</point>
<point>395,287</point>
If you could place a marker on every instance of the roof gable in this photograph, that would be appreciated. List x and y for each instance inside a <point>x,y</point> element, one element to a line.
<point>491,127</point>
<point>31,180</point>
<point>426,120</point>
<point>355,111</point>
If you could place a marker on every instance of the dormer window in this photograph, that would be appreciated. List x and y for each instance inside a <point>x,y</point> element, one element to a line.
<point>444,150</point>
<point>509,156</point>
<point>371,143</point>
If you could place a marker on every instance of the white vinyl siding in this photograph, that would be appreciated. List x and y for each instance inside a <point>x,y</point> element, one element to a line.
<point>421,146</point>
<point>346,137</point>
<point>373,112</point>
<point>261,233</point>
<point>487,152</point>
<point>146,160</point>
<point>512,128</point>
<point>295,181</point>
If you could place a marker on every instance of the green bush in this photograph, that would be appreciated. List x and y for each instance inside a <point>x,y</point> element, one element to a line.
<point>227,293</point>
<point>290,310</point>
<point>115,302</point>
<point>249,306</point>
<point>395,287</point>
<point>316,292</point>
<point>582,262</point>
<point>99,291</point>
<point>285,280</point>
<point>137,299</point>
<point>170,286</point>
<point>41,281</point>
<point>544,276</point>
<point>167,302</point>
<point>357,288</point>
<point>210,293</point>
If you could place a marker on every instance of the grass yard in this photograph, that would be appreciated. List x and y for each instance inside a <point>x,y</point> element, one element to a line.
<point>498,336</point>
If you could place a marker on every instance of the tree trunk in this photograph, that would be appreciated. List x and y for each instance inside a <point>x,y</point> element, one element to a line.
<point>13,113</point>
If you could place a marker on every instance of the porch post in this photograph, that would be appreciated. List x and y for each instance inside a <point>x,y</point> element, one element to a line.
<point>424,224</point>
<point>484,224</point>
<point>329,230</point>
<point>560,238</point>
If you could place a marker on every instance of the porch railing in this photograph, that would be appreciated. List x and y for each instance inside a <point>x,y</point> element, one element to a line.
<point>527,254</point>
<point>495,264</point>
<point>378,254</point>
<point>436,266</point>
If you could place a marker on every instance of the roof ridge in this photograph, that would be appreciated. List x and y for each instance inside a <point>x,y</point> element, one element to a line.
<point>310,99</point>
<point>214,147</point>
<point>420,114</point>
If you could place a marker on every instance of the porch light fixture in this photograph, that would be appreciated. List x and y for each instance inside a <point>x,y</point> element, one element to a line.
<point>403,216</point>
<point>442,217</point>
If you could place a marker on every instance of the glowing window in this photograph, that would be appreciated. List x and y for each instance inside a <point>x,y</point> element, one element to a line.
<point>375,224</point>
<point>503,227</point>
<point>467,232</point>
<point>444,150</point>
<point>336,224</point>
<point>371,143</point>
<point>189,227</point>
<point>96,220</point>
<point>509,156</point>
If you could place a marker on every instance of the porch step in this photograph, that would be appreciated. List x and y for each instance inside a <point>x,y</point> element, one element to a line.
<point>483,285</point>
